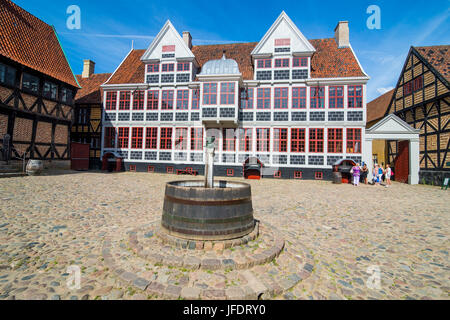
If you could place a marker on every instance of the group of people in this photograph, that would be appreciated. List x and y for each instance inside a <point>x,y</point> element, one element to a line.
<point>360,174</point>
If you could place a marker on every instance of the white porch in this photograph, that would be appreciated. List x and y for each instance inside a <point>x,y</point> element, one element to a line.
<point>394,128</point>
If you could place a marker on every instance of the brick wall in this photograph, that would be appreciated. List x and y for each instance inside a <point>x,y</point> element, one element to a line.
<point>61,134</point>
<point>5,93</point>
<point>3,124</point>
<point>44,132</point>
<point>23,129</point>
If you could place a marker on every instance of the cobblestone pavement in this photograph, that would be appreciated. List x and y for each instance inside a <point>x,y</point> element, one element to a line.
<point>336,237</point>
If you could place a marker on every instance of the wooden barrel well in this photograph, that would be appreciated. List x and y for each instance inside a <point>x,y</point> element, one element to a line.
<point>221,213</point>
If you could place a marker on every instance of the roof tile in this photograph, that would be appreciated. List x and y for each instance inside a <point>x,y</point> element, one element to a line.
<point>438,57</point>
<point>90,92</point>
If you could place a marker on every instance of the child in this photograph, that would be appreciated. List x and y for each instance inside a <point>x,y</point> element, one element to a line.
<point>375,175</point>
<point>380,174</point>
<point>356,171</point>
<point>388,174</point>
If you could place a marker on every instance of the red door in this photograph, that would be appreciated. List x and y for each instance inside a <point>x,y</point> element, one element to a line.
<point>402,162</point>
<point>80,156</point>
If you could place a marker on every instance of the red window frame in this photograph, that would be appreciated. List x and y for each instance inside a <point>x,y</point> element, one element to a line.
<point>138,100</point>
<point>110,137</point>
<point>153,67</point>
<point>298,140</point>
<point>298,174</point>
<point>317,97</point>
<point>335,140</point>
<point>280,139</point>
<point>151,138</point>
<point>355,96</point>
<point>277,174</point>
<point>299,62</point>
<point>247,97</point>
<point>263,98</point>
<point>230,172</point>
<point>299,98</point>
<point>181,138</point>
<point>123,137</point>
<point>281,98</point>
<point>168,48</point>
<point>246,139</point>
<point>418,83</point>
<point>195,99</point>
<point>169,170</point>
<point>183,99</point>
<point>336,97</point>
<point>282,42</point>
<point>124,102</point>
<point>196,138</point>
<point>111,101</point>
<point>281,63</point>
<point>316,140</point>
<point>150,169</point>
<point>354,137</point>
<point>165,139</point>
<point>262,139</point>
<point>168,67</point>
<point>318,175</point>
<point>264,63</point>
<point>228,140</point>
<point>137,137</point>
<point>210,93</point>
<point>183,66</point>
<point>132,168</point>
<point>152,100</point>
<point>227,92</point>
<point>167,98</point>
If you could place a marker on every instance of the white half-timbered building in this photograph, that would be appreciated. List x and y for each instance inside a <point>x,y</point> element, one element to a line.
<point>298,105</point>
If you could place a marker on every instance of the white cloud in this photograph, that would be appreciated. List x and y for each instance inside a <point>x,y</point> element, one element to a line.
<point>382,91</point>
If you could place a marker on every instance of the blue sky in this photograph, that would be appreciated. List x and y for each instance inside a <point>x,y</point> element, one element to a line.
<point>108,27</point>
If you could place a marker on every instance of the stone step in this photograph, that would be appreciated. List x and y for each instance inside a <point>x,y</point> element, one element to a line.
<point>12,174</point>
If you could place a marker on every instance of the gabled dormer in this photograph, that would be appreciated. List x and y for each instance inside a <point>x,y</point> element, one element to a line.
<point>283,48</point>
<point>169,58</point>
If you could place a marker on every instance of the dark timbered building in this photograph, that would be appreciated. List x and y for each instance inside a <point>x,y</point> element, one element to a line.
<point>422,99</point>
<point>37,87</point>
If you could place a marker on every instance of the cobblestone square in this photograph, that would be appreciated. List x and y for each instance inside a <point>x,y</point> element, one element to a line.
<point>335,237</point>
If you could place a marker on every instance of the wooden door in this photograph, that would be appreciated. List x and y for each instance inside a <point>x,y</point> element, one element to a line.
<point>402,162</point>
<point>79,156</point>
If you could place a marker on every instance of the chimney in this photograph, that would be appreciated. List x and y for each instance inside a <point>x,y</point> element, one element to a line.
<point>187,39</point>
<point>342,34</point>
<point>88,68</point>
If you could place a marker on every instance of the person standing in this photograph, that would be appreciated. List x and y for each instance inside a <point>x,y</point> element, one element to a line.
<point>356,172</point>
<point>380,174</point>
<point>375,175</point>
<point>364,173</point>
<point>388,174</point>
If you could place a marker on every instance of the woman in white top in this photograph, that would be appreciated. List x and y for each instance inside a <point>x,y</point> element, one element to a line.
<point>388,174</point>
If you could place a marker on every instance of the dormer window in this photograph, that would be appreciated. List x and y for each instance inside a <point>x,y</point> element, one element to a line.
<point>154,67</point>
<point>300,62</point>
<point>264,63</point>
<point>168,67</point>
<point>183,66</point>
<point>281,63</point>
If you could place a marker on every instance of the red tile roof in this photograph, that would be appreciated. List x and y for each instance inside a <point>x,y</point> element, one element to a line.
<point>90,92</point>
<point>328,62</point>
<point>376,109</point>
<point>31,42</point>
<point>438,57</point>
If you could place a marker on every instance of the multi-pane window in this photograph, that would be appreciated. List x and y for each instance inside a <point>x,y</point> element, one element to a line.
<point>335,140</point>
<point>229,140</point>
<point>110,137</point>
<point>413,85</point>
<point>300,62</point>
<point>316,140</point>
<point>137,136</point>
<point>262,140</point>
<point>30,83</point>
<point>281,63</point>
<point>264,63</point>
<point>83,115</point>
<point>183,66</point>
<point>210,93</point>
<point>317,97</point>
<point>182,99</point>
<point>138,100</point>
<point>67,96</point>
<point>123,138</point>
<point>196,138</point>
<point>247,98</point>
<point>195,99</point>
<point>336,97</point>
<point>281,98</point>
<point>181,138</point>
<point>298,98</point>
<point>153,67</point>
<point>7,75</point>
<point>353,140</point>
<point>418,83</point>
<point>167,100</point>
<point>50,90</point>
<point>111,101</point>
<point>355,96</point>
<point>168,67</point>
<point>151,138</point>
<point>166,139</point>
<point>298,140</point>
<point>227,93</point>
<point>124,102</point>
<point>263,98</point>
<point>280,140</point>
<point>245,140</point>
<point>152,99</point>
